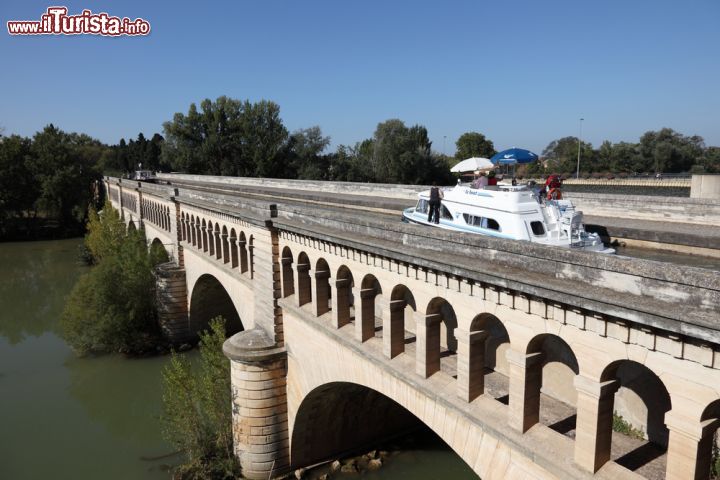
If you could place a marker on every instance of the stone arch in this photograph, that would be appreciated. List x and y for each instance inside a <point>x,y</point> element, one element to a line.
<point>322,287</point>
<point>233,249</point>
<point>161,252</point>
<point>131,226</point>
<point>242,243</point>
<point>402,313</point>
<point>304,285</point>
<point>288,279</point>
<point>436,337</point>
<point>365,321</point>
<point>204,236</point>
<point>638,395</point>
<point>339,417</point>
<point>208,300</point>
<point>186,227</point>
<point>487,344</point>
<point>193,232</point>
<point>551,368</point>
<point>226,245</point>
<point>710,421</point>
<point>344,302</point>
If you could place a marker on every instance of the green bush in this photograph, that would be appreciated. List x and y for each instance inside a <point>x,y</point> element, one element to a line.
<point>621,425</point>
<point>197,414</point>
<point>112,307</point>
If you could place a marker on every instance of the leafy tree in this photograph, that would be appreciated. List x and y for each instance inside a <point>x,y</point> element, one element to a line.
<point>105,236</point>
<point>710,161</point>
<point>561,155</point>
<point>669,151</point>
<point>112,307</point>
<point>305,148</point>
<point>18,191</point>
<point>227,137</point>
<point>64,166</point>
<point>197,414</point>
<point>473,144</point>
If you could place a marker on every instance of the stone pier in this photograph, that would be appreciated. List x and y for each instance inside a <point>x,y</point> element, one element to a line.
<point>258,372</point>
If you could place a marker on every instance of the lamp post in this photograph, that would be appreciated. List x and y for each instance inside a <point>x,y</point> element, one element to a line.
<point>577,174</point>
<point>444,137</point>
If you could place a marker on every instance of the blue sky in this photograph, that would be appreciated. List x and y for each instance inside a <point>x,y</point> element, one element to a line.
<point>521,72</point>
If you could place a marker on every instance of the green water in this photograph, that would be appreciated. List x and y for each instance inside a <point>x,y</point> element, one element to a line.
<point>63,417</point>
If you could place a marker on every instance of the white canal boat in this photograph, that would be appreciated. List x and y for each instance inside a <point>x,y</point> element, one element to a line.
<point>512,212</point>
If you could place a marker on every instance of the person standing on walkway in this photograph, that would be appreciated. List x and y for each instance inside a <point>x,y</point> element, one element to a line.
<point>436,196</point>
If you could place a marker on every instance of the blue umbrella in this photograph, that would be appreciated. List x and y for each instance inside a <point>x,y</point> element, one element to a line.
<point>512,156</point>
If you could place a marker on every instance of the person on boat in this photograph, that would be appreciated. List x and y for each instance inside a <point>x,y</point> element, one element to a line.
<point>492,180</point>
<point>553,185</point>
<point>514,182</point>
<point>480,182</point>
<point>436,196</point>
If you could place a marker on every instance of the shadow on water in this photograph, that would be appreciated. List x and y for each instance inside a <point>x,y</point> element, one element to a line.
<point>37,277</point>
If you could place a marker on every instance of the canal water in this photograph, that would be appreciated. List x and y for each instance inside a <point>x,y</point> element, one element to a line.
<point>64,417</point>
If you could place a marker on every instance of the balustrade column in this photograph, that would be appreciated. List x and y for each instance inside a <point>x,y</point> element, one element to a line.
<point>365,315</point>
<point>470,363</point>
<point>689,451</point>
<point>321,292</point>
<point>593,430</point>
<point>394,328</point>
<point>341,303</point>
<point>226,248</point>
<point>525,383</point>
<point>427,360</point>
<point>303,287</point>
<point>288,286</point>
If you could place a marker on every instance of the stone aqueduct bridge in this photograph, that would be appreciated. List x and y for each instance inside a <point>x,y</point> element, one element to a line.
<point>356,326</point>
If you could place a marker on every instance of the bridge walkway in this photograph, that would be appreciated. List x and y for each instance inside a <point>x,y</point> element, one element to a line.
<point>706,237</point>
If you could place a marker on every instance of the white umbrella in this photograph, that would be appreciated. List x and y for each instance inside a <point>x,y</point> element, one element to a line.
<point>472,164</point>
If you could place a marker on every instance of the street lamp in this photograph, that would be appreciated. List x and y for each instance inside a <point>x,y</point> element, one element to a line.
<point>577,174</point>
<point>444,137</point>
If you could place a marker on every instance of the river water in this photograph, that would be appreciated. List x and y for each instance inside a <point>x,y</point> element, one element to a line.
<point>64,417</point>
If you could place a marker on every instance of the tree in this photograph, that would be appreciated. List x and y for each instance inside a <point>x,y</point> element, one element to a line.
<point>561,155</point>
<point>473,144</point>
<point>64,166</point>
<point>305,148</point>
<point>669,151</point>
<point>112,307</point>
<point>197,414</point>
<point>227,137</point>
<point>18,190</point>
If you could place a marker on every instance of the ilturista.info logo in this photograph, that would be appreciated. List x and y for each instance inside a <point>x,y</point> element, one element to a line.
<point>56,21</point>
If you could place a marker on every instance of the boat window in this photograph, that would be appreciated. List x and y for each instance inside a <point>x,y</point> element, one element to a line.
<point>537,228</point>
<point>445,213</point>
<point>422,206</point>
<point>491,224</point>
<point>481,222</point>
